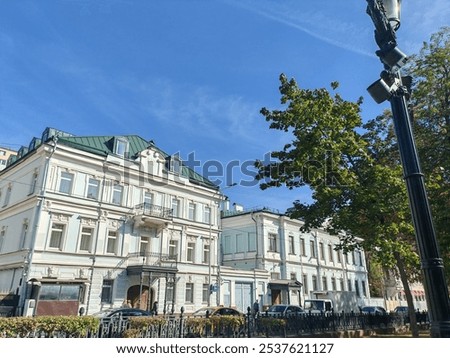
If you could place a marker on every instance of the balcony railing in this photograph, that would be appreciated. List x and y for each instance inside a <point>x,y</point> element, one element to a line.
<point>154,259</point>
<point>156,211</point>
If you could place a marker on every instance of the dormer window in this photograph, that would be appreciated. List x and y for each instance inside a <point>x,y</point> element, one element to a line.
<point>173,164</point>
<point>120,146</point>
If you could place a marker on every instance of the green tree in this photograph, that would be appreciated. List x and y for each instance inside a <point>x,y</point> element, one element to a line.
<point>357,186</point>
<point>430,102</point>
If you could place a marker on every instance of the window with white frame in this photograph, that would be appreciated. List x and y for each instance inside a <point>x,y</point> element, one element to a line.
<point>322,251</point>
<point>330,253</point>
<point>2,237</point>
<point>66,182</point>
<point>349,285</point>
<point>190,252</point>
<point>117,194</point>
<point>143,245</point>
<point>291,245</point>
<point>273,242</point>
<point>173,248</point>
<point>305,283</point>
<point>33,183</point>
<point>314,283</point>
<point>206,253</point>
<point>120,146</point>
<point>333,284</point>
<point>107,291</point>
<point>207,215</point>
<point>57,236</point>
<point>189,292</point>
<point>324,283</point>
<point>302,247</point>
<point>7,195</point>
<point>24,233</point>
<point>312,247</point>
<point>148,198</point>
<point>86,238</point>
<point>205,293</point>
<point>93,188</point>
<point>112,240</point>
<point>191,213</point>
<point>175,207</point>
<point>341,284</point>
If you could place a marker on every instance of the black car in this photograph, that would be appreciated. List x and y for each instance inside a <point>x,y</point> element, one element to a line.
<point>128,312</point>
<point>217,311</point>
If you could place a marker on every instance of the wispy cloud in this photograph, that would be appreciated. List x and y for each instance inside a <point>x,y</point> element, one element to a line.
<point>314,20</point>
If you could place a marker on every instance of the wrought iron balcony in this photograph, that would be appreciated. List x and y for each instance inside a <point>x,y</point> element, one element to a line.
<point>150,214</point>
<point>151,261</point>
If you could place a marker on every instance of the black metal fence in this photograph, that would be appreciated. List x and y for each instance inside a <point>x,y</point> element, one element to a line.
<point>181,326</point>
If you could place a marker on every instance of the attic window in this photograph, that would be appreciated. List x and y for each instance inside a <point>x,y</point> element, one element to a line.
<point>173,164</point>
<point>120,146</point>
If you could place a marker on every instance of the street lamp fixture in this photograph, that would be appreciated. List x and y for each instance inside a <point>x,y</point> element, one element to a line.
<point>385,15</point>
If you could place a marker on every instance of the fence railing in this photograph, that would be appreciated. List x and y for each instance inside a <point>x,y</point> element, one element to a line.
<point>181,326</point>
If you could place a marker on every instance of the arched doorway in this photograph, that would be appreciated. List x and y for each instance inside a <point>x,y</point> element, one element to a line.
<point>141,299</point>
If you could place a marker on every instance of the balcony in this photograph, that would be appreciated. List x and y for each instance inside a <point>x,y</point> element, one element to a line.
<point>140,262</point>
<point>147,214</point>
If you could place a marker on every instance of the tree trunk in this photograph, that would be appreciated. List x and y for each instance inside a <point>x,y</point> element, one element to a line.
<point>409,299</point>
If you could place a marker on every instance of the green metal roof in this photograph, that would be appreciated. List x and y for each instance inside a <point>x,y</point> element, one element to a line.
<point>104,145</point>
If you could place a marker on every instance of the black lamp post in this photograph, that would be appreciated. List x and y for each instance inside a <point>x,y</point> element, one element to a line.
<point>391,86</point>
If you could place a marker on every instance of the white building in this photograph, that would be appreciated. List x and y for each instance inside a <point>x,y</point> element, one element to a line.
<point>298,265</point>
<point>90,221</point>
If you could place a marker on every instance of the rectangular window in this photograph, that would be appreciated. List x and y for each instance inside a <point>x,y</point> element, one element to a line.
<point>358,294</point>
<point>205,293</point>
<point>360,256</point>
<point>117,194</point>
<point>86,239</point>
<point>111,246</point>
<point>56,236</point>
<point>65,183</point>
<point>313,249</point>
<point>206,254</point>
<point>273,242</point>
<point>143,245</point>
<point>339,256</point>
<point>189,293</point>
<point>7,195</point>
<point>241,244</point>
<point>107,291</point>
<point>191,213</point>
<point>227,245</point>
<point>341,284</point>
<point>207,215</point>
<point>251,241</point>
<point>314,283</point>
<point>291,245</point>
<point>93,188</point>
<point>330,253</point>
<point>363,288</point>
<point>305,283</point>
<point>173,249</point>
<point>322,251</point>
<point>24,234</point>
<point>33,183</point>
<point>190,252</point>
<point>324,283</point>
<point>148,198</point>
<point>2,238</point>
<point>333,284</point>
<point>120,146</point>
<point>302,247</point>
<point>175,207</point>
<point>293,276</point>
<point>349,285</point>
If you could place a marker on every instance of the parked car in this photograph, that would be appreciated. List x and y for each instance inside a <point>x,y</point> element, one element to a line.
<point>403,310</point>
<point>127,312</point>
<point>217,311</point>
<point>281,310</point>
<point>373,310</point>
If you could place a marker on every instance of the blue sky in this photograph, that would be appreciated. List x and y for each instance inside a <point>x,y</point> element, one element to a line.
<point>190,74</point>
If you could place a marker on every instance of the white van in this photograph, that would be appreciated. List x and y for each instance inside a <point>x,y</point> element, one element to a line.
<point>318,305</point>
